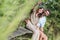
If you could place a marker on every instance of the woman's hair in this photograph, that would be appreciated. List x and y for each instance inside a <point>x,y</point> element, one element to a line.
<point>40,14</point>
<point>38,9</point>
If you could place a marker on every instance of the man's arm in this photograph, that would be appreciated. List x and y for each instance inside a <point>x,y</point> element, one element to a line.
<point>33,11</point>
<point>37,4</point>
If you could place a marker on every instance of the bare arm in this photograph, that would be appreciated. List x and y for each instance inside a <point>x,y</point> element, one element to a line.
<point>35,6</point>
<point>41,29</point>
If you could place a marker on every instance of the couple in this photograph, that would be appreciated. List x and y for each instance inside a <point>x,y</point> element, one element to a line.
<point>36,24</point>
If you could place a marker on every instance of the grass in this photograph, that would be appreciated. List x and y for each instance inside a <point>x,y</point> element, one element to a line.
<point>7,27</point>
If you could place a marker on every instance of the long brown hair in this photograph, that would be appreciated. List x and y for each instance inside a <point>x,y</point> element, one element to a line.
<point>38,9</point>
<point>40,14</point>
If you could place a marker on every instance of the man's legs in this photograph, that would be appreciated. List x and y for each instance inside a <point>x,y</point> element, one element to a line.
<point>34,29</point>
<point>30,26</point>
<point>36,35</point>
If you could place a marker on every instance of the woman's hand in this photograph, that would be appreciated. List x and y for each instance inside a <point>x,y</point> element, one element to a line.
<point>41,29</point>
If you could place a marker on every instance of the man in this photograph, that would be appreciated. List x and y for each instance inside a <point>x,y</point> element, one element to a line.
<point>31,25</point>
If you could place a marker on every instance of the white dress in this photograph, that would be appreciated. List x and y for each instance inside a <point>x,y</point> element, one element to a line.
<point>41,21</point>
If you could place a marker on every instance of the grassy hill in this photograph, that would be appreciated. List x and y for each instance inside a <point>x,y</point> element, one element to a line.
<point>12,12</point>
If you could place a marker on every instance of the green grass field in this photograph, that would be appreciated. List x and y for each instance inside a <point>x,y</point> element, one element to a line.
<point>12,12</point>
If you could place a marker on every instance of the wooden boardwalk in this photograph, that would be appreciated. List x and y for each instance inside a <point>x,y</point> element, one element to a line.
<point>20,31</point>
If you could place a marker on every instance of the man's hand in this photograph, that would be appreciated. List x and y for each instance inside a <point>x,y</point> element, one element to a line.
<point>26,20</point>
<point>36,5</point>
<point>39,3</point>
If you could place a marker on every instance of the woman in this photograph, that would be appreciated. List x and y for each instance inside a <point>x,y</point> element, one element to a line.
<point>42,20</point>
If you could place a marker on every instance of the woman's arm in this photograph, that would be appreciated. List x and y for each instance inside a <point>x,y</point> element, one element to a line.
<point>41,29</point>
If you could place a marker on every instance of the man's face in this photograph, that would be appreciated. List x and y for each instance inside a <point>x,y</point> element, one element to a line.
<point>39,11</point>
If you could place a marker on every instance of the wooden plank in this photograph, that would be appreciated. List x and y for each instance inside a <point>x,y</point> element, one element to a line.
<point>20,31</point>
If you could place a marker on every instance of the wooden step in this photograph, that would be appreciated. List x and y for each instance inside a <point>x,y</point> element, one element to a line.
<point>20,31</point>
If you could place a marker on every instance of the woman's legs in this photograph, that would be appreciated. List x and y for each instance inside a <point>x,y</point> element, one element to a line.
<point>34,29</point>
<point>40,37</point>
<point>43,36</point>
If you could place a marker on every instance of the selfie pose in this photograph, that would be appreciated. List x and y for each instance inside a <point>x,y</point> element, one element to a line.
<point>37,22</point>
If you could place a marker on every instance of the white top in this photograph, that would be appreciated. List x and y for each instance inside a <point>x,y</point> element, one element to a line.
<point>41,21</point>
